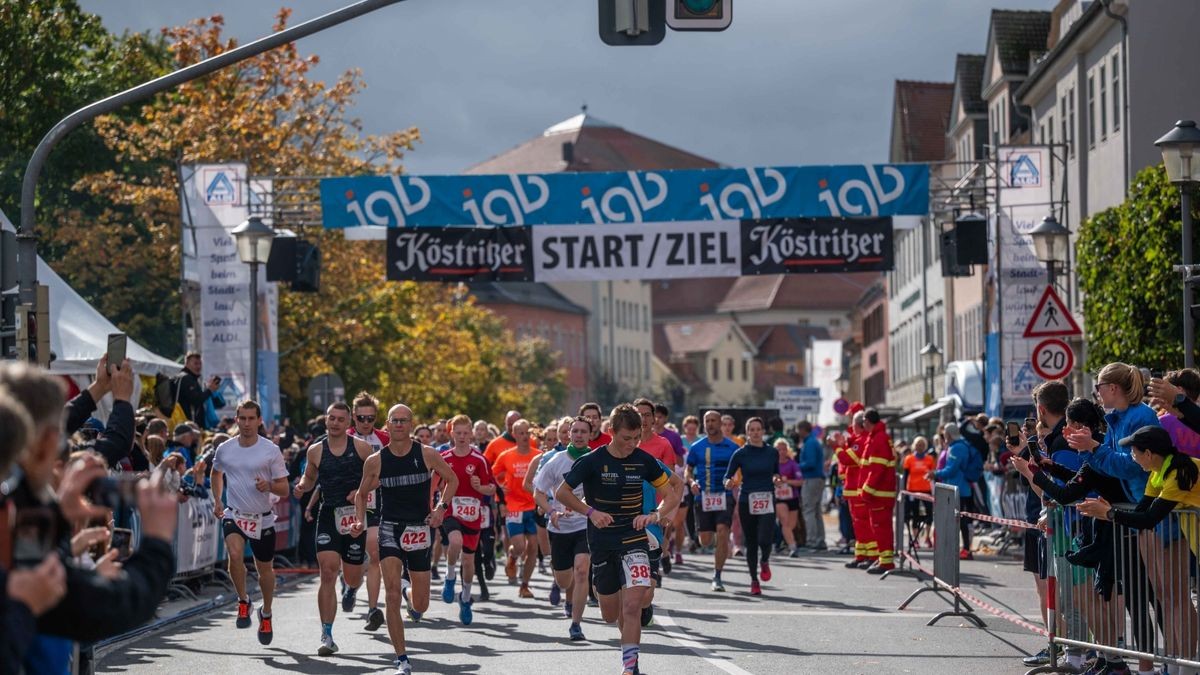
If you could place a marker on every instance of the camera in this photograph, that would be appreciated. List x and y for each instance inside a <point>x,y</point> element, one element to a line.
<point>115,493</point>
<point>34,536</point>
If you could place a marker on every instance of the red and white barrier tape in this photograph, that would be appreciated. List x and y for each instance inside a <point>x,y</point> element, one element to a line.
<point>999,521</point>
<point>922,496</point>
<point>990,609</point>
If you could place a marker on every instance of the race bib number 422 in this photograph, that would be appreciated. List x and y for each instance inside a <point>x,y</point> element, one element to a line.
<point>415,538</point>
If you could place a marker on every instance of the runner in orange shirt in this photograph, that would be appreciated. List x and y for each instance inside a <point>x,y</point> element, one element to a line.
<point>509,470</point>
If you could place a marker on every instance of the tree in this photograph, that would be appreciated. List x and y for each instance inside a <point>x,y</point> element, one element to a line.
<point>420,343</point>
<point>1131,294</point>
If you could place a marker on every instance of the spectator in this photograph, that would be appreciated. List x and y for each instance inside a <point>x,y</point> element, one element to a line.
<point>958,457</point>
<point>189,393</point>
<point>1183,438</point>
<point>1119,387</point>
<point>812,468</point>
<point>116,441</point>
<point>184,442</point>
<point>156,449</point>
<point>94,607</point>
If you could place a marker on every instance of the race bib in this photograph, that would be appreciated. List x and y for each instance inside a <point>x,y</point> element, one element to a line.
<point>249,523</point>
<point>345,518</point>
<point>636,566</point>
<point>712,501</point>
<point>465,509</point>
<point>783,492</point>
<point>371,500</point>
<point>514,518</point>
<point>761,503</point>
<point>415,538</point>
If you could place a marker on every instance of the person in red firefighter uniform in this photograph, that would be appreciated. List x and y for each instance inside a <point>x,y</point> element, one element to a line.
<point>849,457</point>
<point>879,490</point>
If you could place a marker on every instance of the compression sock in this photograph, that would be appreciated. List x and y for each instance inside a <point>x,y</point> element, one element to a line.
<point>629,656</point>
<point>327,629</point>
<point>717,575</point>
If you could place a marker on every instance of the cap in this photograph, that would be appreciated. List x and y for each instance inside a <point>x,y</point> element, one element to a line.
<point>93,423</point>
<point>184,428</point>
<point>1152,439</point>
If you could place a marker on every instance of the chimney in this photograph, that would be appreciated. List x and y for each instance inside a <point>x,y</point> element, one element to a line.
<point>568,152</point>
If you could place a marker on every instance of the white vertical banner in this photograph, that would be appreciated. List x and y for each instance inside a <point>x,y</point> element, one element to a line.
<point>216,201</point>
<point>825,367</point>
<point>262,200</point>
<point>1025,197</point>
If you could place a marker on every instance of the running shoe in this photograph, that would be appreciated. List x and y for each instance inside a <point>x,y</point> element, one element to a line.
<point>635,671</point>
<point>1041,658</point>
<point>434,573</point>
<point>718,586</point>
<point>1097,667</point>
<point>243,617</point>
<point>328,646</point>
<point>489,568</point>
<point>541,566</point>
<point>448,591</point>
<point>349,595</point>
<point>265,634</point>
<point>765,571</point>
<point>647,616</point>
<point>568,609</point>
<point>964,554</point>
<point>666,564</point>
<point>510,569</point>
<point>402,667</point>
<point>524,592</point>
<point>795,553</point>
<point>755,589</point>
<point>678,558</point>
<point>739,552</point>
<point>484,595</point>
<point>412,614</point>
<point>465,615</point>
<point>555,594</point>
<point>374,619</point>
<point>576,632</point>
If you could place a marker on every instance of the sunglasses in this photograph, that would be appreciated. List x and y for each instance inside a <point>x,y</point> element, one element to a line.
<point>365,418</point>
<point>1097,386</point>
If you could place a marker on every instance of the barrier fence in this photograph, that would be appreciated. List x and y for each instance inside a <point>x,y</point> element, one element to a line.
<point>1114,590</point>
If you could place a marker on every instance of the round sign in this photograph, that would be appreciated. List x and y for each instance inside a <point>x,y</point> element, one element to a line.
<point>841,406</point>
<point>1053,359</point>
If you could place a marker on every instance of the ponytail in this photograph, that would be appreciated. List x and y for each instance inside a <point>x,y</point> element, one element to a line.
<point>1186,472</point>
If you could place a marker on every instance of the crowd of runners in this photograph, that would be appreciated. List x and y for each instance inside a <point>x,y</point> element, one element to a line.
<point>609,502</point>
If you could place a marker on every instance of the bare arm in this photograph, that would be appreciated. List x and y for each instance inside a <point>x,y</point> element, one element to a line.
<point>530,473</point>
<point>218,492</point>
<point>309,480</point>
<point>370,481</point>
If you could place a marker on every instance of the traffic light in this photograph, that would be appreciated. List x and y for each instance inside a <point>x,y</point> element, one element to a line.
<point>699,14</point>
<point>33,329</point>
<point>625,23</point>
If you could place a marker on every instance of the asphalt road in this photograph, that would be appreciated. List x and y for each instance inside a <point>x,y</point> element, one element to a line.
<point>814,617</point>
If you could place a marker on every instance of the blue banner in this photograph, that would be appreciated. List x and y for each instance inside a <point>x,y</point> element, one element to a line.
<point>626,197</point>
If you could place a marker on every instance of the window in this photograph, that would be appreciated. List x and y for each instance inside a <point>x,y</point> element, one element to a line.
<point>792,369</point>
<point>607,364</point>
<point>1069,138</point>
<point>1103,104</point>
<point>1062,119</point>
<point>646,318</point>
<point>1091,109</point>
<point>1116,90</point>
<point>729,369</point>
<point>745,369</point>
<point>646,372</point>
<point>716,370</point>
<point>1050,127</point>
<point>604,313</point>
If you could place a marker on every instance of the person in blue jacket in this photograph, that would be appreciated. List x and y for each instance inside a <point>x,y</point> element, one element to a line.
<point>1120,388</point>
<point>960,458</point>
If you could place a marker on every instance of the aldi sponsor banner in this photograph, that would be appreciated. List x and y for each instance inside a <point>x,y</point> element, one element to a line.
<point>799,245</point>
<point>460,254</point>
<point>640,251</point>
<point>626,197</point>
<point>1024,197</point>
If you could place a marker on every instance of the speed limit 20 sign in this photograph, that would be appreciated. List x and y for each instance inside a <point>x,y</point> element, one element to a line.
<point>1053,359</point>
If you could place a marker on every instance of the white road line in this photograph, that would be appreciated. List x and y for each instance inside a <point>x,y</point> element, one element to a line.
<point>663,618</point>
<point>907,614</point>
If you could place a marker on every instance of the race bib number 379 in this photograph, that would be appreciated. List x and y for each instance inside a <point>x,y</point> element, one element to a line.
<point>713,501</point>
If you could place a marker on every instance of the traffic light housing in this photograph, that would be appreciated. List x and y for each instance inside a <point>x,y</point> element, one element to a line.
<point>702,15</point>
<point>625,23</point>
<point>296,261</point>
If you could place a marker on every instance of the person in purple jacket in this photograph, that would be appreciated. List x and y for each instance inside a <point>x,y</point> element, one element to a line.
<point>787,496</point>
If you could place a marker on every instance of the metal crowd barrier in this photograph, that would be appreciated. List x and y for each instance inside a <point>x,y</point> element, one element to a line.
<point>945,574</point>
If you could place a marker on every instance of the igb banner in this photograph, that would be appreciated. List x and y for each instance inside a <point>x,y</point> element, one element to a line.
<point>727,248</point>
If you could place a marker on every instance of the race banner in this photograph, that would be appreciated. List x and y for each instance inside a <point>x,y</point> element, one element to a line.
<point>900,190</point>
<point>801,245</point>
<point>702,249</point>
<point>196,535</point>
<point>658,251</point>
<point>460,254</point>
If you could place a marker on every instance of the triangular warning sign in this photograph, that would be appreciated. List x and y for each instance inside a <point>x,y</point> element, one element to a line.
<point>1051,318</point>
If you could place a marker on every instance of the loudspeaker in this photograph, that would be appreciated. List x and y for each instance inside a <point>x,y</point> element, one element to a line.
<point>308,268</point>
<point>281,265</point>
<point>949,250</point>
<point>970,234</point>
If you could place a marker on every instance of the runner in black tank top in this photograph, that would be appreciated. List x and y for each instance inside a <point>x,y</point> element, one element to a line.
<point>401,472</point>
<point>337,464</point>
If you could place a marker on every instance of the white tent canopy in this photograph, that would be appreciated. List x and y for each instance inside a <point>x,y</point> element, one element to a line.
<point>79,333</point>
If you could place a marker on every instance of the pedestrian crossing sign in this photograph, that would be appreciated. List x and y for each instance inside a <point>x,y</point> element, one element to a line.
<point>1051,318</point>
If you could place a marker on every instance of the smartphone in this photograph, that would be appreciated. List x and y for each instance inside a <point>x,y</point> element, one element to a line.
<point>122,540</point>
<point>1031,426</point>
<point>1014,433</point>
<point>34,536</point>
<point>117,343</point>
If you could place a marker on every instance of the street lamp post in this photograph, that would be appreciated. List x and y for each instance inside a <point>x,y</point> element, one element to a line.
<point>1050,242</point>
<point>1177,146</point>
<point>254,239</point>
<point>931,357</point>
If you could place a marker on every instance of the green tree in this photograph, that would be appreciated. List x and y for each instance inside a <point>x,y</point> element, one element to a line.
<point>1132,296</point>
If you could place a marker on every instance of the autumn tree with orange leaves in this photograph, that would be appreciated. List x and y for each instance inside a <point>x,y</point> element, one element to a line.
<point>414,342</point>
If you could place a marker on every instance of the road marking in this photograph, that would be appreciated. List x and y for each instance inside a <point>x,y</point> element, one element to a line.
<point>908,614</point>
<point>663,618</point>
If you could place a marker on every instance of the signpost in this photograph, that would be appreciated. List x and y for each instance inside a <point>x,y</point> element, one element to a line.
<point>1053,359</point>
<point>796,403</point>
<point>1051,318</point>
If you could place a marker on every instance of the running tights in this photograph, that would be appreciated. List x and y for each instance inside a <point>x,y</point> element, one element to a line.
<point>758,532</point>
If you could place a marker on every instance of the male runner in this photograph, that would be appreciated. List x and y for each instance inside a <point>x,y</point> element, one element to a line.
<point>569,555</point>
<point>255,470</point>
<point>336,463</point>
<point>612,478</point>
<point>593,413</point>
<point>540,516</point>
<point>684,521</point>
<point>509,470</point>
<point>671,542</point>
<point>461,528</point>
<point>659,448</point>
<point>706,464</point>
<point>401,471</point>
<point>366,410</point>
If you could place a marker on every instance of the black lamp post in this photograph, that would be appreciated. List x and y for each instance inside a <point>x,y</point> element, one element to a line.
<point>1177,146</point>
<point>931,358</point>
<point>254,239</point>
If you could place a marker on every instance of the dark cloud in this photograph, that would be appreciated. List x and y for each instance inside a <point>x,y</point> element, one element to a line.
<point>791,82</point>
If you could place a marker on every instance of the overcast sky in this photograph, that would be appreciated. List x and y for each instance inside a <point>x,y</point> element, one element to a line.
<point>791,82</point>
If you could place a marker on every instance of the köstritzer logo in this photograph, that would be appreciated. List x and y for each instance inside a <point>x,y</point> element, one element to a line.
<point>1024,172</point>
